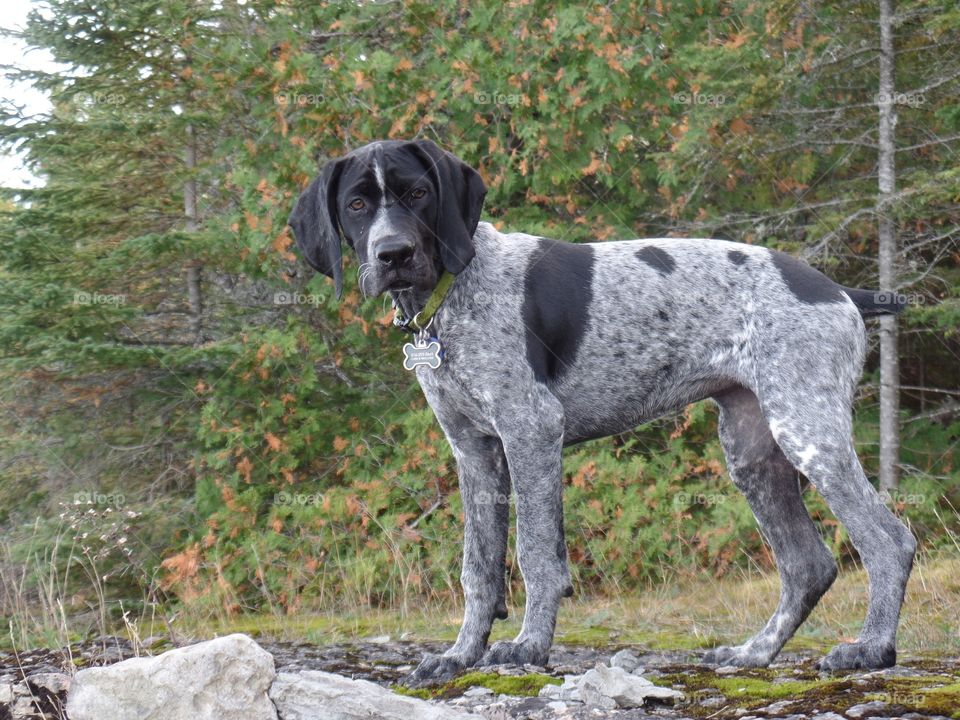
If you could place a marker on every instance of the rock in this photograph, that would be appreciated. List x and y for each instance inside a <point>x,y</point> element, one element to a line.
<point>858,711</point>
<point>40,695</point>
<point>727,670</point>
<point>54,683</point>
<point>775,708</point>
<point>604,685</point>
<point>23,708</point>
<point>625,659</point>
<point>312,694</point>
<point>827,716</point>
<point>222,679</point>
<point>550,691</point>
<point>568,692</point>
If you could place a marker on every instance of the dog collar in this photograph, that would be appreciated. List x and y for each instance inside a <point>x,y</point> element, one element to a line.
<point>421,321</point>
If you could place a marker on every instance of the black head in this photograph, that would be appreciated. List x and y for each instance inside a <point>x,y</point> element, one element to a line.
<point>408,209</point>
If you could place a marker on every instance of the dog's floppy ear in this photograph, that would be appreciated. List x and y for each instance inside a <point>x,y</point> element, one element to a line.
<point>316,225</point>
<point>460,192</point>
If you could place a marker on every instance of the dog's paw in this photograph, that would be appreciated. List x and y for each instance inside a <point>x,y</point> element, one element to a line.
<point>508,652</point>
<point>853,656</point>
<point>737,655</point>
<point>435,669</point>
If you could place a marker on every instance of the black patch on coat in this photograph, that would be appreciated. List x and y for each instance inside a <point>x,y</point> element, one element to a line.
<point>807,284</point>
<point>558,287</point>
<point>662,315</point>
<point>657,258</point>
<point>737,257</point>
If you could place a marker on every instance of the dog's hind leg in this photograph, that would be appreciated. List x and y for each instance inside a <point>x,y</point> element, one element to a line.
<point>771,485</point>
<point>805,386</point>
<point>821,447</point>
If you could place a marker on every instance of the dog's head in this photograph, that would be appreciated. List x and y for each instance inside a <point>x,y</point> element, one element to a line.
<point>408,209</point>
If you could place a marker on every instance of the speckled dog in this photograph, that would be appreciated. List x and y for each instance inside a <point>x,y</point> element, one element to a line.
<point>548,343</point>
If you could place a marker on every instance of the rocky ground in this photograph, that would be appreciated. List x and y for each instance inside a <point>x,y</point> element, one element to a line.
<point>916,689</point>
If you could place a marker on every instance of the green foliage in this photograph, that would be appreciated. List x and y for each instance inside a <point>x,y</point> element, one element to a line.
<point>313,473</point>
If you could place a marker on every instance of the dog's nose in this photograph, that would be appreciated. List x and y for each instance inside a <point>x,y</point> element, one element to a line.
<point>395,251</point>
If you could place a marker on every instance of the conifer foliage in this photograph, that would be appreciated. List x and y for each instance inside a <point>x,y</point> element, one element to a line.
<point>161,343</point>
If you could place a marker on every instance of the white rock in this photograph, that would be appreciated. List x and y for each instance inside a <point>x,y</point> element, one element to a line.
<point>604,684</point>
<point>858,711</point>
<point>775,708</point>
<point>596,699</point>
<point>23,709</point>
<point>222,679</point>
<point>626,660</point>
<point>827,716</point>
<point>312,694</point>
<point>55,683</point>
<point>549,691</point>
<point>727,670</point>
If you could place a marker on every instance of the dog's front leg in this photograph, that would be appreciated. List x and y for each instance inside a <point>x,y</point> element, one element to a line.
<point>485,492</point>
<point>533,442</point>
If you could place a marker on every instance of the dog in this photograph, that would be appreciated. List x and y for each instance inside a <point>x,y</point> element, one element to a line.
<point>546,343</point>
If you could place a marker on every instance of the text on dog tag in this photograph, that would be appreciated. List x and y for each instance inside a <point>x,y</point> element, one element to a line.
<point>428,353</point>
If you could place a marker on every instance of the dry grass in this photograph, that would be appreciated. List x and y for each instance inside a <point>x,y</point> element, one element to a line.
<point>689,613</point>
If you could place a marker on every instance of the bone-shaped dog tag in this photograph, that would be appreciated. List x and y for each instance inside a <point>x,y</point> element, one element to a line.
<point>423,352</point>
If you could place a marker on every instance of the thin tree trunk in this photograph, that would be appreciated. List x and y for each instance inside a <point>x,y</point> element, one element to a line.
<point>195,271</point>
<point>889,354</point>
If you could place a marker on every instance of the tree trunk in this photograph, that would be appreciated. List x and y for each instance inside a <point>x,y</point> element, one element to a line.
<point>194,272</point>
<point>889,357</point>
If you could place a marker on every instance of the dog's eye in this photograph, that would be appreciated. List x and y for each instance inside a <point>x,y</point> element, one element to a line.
<point>357,204</point>
<point>417,193</point>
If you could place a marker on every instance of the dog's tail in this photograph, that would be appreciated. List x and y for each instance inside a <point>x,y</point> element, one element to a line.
<point>873,303</point>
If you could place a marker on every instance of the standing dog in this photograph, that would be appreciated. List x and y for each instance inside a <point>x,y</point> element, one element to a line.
<point>548,343</point>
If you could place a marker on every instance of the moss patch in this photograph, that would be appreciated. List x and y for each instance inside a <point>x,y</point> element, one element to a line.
<point>519,685</point>
<point>759,688</point>
<point>943,700</point>
<point>934,693</point>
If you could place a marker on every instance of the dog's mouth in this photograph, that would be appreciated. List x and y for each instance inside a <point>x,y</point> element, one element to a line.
<point>405,282</point>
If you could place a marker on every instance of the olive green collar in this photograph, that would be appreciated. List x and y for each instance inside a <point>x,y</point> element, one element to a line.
<point>421,320</point>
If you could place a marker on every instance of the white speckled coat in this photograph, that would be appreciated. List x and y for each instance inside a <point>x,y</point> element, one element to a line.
<point>550,343</point>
